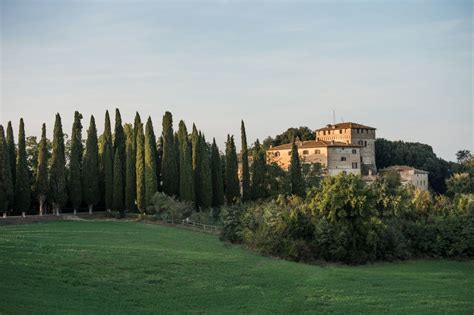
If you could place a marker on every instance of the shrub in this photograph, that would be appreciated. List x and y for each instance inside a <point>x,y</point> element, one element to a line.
<point>169,208</point>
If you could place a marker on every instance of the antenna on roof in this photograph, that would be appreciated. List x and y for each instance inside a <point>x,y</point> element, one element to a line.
<point>333,116</point>
<point>342,119</point>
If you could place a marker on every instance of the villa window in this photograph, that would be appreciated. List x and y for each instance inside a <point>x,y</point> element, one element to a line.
<point>317,151</point>
<point>277,153</point>
<point>354,165</point>
<point>354,151</point>
<point>365,143</point>
<point>289,152</point>
<point>343,158</point>
<point>340,131</point>
<point>305,152</point>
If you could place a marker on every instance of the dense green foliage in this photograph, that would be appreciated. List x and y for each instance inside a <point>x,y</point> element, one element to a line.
<point>196,163</point>
<point>216,174</point>
<point>57,173</point>
<point>246,193</point>
<point>22,184</point>
<point>41,181</point>
<point>302,133</point>
<point>75,163</point>
<point>232,186</point>
<point>346,220</point>
<point>152,268</point>
<point>90,173</point>
<point>170,162</point>
<point>418,155</point>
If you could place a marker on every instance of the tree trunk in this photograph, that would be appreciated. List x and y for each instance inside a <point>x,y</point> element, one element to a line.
<point>90,209</point>
<point>23,214</point>
<point>4,214</point>
<point>57,211</point>
<point>75,212</point>
<point>41,204</point>
<point>108,210</point>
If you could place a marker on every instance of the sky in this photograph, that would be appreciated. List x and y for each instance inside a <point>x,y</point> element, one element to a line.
<point>403,67</point>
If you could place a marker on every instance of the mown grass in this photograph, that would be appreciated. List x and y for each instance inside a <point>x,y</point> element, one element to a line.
<point>124,267</point>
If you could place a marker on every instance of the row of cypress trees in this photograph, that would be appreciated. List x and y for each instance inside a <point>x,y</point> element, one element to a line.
<point>122,171</point>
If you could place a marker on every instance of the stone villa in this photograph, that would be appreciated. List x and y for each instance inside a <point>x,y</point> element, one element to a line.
<point>343,148</point>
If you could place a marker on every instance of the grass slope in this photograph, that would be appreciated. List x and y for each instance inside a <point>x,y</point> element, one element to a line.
<point>124,267</point>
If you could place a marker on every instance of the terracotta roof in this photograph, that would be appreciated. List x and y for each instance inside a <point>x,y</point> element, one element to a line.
<point>403,168</point>
<point>345,125</point>
<point>314,144</point>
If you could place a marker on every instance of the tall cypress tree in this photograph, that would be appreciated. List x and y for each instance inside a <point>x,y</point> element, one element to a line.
<point>259,172</point>
<point>118,203</point>
<point>11,151</point>
<point>151,183</point>
<point>91,168</point>
<point>119,148</point>
<point>106,167</point>
<point>41,182</point>
<point>232,180</point>
<point>216,174</point>
<point>5,173</point>
<point>109,177</point>
<point>22,185</point>
<point>75,163</point>
<point>245,165</point>
<point>140,169</point>
<point>57,175</point>
<point>196,163</point>
<point>205,191</point>
<point>7,179</point>
<point>130,170</point>
<point>186,183</point>
<point>169,166</point>
<point>296,178</point>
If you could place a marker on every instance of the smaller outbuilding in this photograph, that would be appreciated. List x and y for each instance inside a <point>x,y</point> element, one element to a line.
<point>409,175</point>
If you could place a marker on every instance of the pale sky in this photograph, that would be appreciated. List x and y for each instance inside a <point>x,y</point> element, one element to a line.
<point>404,67</point>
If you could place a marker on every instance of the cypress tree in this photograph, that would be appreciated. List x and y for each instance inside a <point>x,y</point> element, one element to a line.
<point>169,167</point>
<point>206,176</point>
<point>57,175</point>
<point>232,180</point>
<point>22,185</point>
<point>196,163</point>
<point>186,183</point>
<point>245,165</point>
<point>11,152</point>
<point>151,183</point>
<point>75,163</point>
<point>118,203</point>
<point>130,170</point>
<point>5,173</point>
<point>216,175</point>
<point>119,148</point>
<point>159,160</point>
<point>41,182</point>
<point>296,178</point>
<point>140,169</point>
<point>106,164</point>
<point>109,177</point>
<point>91,168</point>
<point>259,172</point>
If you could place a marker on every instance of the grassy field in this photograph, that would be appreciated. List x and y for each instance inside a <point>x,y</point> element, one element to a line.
<point>125,267</point>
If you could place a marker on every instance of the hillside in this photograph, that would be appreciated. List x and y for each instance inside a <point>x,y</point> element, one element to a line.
<point>125,267</point>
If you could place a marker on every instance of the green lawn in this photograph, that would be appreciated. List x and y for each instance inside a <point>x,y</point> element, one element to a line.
<point>125,267</point>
